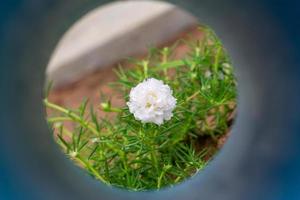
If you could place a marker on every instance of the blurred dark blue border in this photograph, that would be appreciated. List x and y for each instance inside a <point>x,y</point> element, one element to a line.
<point>262,161</point>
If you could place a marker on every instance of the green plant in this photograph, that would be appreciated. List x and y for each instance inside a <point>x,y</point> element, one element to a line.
<point>124,152</point>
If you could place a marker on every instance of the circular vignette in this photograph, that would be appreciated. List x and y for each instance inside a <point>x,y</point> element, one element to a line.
<point>262,128</point>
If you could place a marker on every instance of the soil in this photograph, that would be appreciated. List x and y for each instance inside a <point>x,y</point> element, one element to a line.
<point>89,87</point>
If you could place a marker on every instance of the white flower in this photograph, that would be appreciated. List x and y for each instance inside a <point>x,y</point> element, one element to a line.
<point>151,101</point>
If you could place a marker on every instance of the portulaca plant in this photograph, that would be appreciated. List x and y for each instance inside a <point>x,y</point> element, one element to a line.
<point>177,112</point>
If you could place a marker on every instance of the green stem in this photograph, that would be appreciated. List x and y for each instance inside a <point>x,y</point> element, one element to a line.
<point>153,154</point>
<point>168,65</point>
<point>72,116</point>
<point>190,97</point>
<point>165,53</point>
<point>165,169</point>
<point>58,119</point>
<point>90,168</point>
<point>154,159</point>
<point>217,58</point>
<point>67,132</point>
<point>113,109</point>
<point>145,66</point>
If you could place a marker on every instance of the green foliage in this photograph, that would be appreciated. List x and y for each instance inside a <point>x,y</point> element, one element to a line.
<point>126,153</point>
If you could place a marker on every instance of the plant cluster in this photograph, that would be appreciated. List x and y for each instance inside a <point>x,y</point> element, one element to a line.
<point>124,152</point>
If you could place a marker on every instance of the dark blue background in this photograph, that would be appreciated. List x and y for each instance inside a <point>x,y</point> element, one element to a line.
<point>262,158</point>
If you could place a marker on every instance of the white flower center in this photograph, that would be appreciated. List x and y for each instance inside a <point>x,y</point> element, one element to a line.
<point>151,98</point>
